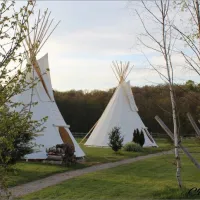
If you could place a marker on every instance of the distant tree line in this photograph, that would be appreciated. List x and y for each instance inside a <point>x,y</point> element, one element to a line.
<point>81,109</point>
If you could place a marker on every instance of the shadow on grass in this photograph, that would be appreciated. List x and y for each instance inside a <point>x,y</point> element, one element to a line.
<point>176,193</point>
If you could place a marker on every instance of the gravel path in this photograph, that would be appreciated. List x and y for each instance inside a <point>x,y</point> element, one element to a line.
<point>34,186</point>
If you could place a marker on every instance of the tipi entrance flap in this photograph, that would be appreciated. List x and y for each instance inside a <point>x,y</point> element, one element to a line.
<point>65,136</point>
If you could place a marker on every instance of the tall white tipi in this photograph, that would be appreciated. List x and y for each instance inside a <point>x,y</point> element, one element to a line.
<point>56,131</point>
<point>121,112</point>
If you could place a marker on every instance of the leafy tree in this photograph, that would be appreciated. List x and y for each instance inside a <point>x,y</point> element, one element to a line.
<point>19,130</point>
<point>115,139</point>
<point>190,85</point>
<point>16,128</point>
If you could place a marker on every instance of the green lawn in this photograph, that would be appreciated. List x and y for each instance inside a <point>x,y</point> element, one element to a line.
<point>29,171</point>
<point>26,172</point>
<point>97,155</point>
<point>149,179</point>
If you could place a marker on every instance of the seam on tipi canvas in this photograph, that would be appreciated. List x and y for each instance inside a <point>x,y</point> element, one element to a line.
<point>129,96</point>
<point>38,71</point>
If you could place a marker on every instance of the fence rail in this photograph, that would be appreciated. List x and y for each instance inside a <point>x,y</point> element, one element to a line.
<point>154,135</point>
<point>78,135</point>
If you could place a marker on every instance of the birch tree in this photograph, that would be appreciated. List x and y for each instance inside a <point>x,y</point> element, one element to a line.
<point>162,43</point>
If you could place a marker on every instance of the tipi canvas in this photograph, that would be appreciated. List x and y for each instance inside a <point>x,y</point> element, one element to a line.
<point>121,112</point>
<point>56,131</point>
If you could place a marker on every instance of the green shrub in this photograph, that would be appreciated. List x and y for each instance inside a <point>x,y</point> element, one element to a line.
<point>132,147</point>
<point>141,139</point>
<point>115,139</point>
<point>138,137</point>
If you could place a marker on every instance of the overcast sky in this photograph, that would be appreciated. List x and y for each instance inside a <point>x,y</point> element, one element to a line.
<point>92,34</point>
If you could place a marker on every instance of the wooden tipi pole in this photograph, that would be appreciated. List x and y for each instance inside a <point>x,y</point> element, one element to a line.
<point>194,125</point>
<point>88,133</point>
<point>167,130</point>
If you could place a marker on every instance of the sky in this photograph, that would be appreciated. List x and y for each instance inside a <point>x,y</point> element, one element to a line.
<point>90,36</point>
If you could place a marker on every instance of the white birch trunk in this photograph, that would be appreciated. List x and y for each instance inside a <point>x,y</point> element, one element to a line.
<point>169,68</point>
<point>176,139</point>
<point>165,48</point>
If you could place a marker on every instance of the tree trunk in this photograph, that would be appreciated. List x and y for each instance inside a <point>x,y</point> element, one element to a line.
<point>176,138</point>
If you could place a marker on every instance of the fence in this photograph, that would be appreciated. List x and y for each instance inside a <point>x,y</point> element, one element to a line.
<point>154,135</point>
<point>159,135</point>
<point>78,135</point>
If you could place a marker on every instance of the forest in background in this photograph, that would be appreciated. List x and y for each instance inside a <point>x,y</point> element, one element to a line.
<point>81,109</point>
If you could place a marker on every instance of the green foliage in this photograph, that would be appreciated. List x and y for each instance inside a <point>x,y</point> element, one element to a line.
<point>115,139</point>
<point>16,132</point>
<point>191,85</point>
<point>16,128</point>
<point>138,137</point>
<point>132,147</point>
<point>142,139</point>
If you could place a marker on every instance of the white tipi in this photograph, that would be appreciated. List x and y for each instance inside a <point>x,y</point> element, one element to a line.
<point>122,112</point>
<point>56,130</point>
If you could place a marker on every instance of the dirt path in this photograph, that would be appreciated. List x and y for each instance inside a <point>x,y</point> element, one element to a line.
<point>34,186</point>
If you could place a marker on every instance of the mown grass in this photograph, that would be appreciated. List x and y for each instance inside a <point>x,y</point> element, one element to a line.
<point>96,155</point>
<point>30,171</point>
<point>25,172</point>
<point>149,179</point>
